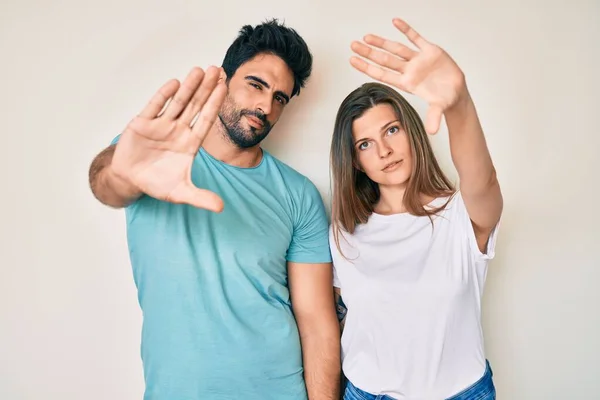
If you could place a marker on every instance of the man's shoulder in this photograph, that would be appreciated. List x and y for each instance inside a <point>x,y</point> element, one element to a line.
<point>292,176</point>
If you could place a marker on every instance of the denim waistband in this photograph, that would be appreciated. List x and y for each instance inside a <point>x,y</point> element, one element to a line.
<point>483,389</point>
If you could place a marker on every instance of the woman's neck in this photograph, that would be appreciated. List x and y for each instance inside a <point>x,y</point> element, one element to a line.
<point>391,200</point>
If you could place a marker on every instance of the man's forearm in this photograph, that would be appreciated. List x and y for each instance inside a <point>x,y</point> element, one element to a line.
<point>108,188</point>
<point>322,367</point>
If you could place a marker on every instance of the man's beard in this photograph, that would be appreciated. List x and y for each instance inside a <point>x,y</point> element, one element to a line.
<point>231,118</point>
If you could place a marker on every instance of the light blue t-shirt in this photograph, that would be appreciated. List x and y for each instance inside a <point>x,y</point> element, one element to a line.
<point>213,287</point>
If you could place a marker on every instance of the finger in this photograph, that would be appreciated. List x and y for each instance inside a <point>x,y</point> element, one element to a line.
<point>410,33</point>
<point>209,113</point>
<point>196,197</point>
<point>433,119</point>
<point>185,92</point>
<point>160,98</point>
<point>201,95</point>
<point>384,59</point>
<point>378,73</point>
<point>393,47</point>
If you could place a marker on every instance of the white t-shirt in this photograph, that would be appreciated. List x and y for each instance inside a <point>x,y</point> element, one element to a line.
<point>413,293</point>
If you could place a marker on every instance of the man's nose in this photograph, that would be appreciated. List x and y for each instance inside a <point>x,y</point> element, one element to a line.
<point>265,106</point>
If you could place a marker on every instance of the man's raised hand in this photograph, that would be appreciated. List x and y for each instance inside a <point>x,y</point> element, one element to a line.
<point>156,151</point>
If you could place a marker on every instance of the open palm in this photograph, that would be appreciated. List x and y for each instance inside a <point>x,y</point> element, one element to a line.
<point>157,149</point>
<point>428,72</point>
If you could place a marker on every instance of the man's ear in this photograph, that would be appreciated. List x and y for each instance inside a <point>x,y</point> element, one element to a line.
<point>223,76</point>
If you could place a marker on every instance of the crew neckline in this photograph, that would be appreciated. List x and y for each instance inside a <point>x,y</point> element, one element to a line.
<point>265,154</point>
<point>405,214</point>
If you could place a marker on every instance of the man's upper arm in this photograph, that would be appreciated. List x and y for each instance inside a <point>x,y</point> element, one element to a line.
<point>310,272</point>
<point>311,292</point>
<point>310,239</point>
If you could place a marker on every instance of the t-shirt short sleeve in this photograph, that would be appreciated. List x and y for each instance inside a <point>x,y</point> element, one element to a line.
<point>336,280</point>
<point>458,204</point>
<point>310,239</point>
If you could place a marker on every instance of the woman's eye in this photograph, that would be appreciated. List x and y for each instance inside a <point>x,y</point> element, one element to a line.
<point>392,130</point>
<point>363,145</point>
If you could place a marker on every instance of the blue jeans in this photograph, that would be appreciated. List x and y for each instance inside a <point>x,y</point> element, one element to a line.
<point>483,389</point>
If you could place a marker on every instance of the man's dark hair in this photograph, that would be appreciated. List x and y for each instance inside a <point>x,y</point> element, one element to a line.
<point>270,37</point>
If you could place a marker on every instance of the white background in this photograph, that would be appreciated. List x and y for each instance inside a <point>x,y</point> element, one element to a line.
<point>72,73</point>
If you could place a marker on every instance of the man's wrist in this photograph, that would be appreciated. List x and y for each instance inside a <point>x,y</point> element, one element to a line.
<point>120,186</point>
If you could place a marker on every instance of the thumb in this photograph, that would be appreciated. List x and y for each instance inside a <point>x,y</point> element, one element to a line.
<point>433,119</point>
<point>201,198</point>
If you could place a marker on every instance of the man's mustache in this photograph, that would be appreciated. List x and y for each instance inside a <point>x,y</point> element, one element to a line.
<point>257,114</point>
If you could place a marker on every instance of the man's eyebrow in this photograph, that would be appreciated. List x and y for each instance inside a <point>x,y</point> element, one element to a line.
<point>265,84</point>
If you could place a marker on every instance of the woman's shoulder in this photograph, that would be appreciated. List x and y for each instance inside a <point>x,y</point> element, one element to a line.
<point>441,202</point>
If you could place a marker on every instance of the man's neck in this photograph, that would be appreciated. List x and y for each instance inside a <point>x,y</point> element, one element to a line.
<point>219,146</point>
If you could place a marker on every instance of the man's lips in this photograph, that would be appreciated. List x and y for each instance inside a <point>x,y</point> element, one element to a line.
<point>255,122</point>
